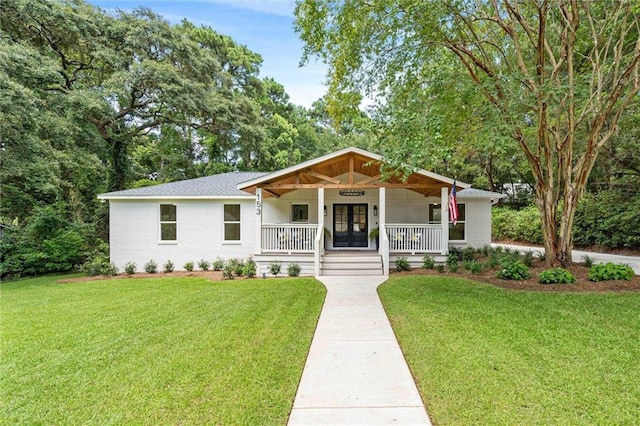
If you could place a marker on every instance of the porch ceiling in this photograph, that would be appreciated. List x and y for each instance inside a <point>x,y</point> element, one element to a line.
<point>345,171</point>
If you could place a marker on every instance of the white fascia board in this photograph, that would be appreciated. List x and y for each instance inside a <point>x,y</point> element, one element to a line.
<point>176,197</point>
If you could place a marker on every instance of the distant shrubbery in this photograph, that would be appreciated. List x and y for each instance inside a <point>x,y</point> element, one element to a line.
<point>519,225</point>
<point>607,219</point>
<point>48,243</point>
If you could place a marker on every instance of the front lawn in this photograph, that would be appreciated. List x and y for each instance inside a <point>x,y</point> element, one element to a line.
<point>485,355</point>
<point>154,351</point>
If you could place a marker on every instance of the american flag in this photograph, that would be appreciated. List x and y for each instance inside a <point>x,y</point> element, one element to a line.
<point>453,205</point>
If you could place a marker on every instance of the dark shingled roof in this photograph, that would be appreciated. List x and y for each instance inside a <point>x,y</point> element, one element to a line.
<point>478,193</point>
<point>221,185</point>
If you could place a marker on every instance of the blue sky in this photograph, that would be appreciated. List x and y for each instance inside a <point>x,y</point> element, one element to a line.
<point>264,26</point>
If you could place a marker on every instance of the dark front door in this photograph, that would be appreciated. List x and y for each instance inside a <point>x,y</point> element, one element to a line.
<point>350,225</point>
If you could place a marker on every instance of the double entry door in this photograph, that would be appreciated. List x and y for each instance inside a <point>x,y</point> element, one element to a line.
<point>350,225</point>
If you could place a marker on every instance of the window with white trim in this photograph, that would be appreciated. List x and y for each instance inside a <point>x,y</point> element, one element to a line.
<point>231,222</point>
<point>300,213</point>
<point>457,231</point>
<point>168,222</point>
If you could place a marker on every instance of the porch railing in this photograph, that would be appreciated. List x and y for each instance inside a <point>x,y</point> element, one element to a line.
<point>289,237</point>
<point>414,238</point>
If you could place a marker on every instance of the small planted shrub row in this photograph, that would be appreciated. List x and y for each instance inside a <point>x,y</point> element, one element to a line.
<point>234,267</point>
<point>513,270</point>
<point>293,270</point>
<point>556,276</point>
<point>610,271</point>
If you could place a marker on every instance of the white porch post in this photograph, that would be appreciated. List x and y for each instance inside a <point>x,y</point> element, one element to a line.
<point>444,219</point>
<point>259,220</point>
<point>382,232</point>
<point>319,246</point>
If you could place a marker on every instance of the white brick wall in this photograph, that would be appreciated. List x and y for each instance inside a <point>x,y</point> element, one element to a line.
<point>135,232</point>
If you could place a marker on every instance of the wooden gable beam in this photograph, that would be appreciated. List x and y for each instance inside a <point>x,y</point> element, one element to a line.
<point>322,177</point>
<point>369,180</point>
<point>351,162</point>
<point>273,194</point>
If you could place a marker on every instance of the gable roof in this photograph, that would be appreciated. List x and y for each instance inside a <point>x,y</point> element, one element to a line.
<point>224,185</point>
<point>323,172</point>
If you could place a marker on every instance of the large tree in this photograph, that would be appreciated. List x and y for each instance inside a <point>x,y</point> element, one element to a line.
<point>124,75</point>
<point>559,74</point>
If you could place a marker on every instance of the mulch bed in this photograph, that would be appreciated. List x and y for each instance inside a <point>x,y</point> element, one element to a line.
<point>579,271</point>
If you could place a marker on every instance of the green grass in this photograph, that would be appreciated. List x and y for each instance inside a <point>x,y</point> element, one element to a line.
<point>484,355</point>
<point>154,351</point>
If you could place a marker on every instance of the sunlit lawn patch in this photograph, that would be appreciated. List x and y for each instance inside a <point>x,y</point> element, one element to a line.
<point>154,351</point>
<point>484,355</point>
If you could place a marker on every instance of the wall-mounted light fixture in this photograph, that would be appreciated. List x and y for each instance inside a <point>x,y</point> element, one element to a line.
<point>375,210</point>
<point>325,210</point>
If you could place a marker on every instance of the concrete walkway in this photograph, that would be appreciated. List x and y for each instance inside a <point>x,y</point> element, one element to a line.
<point>356,373</point>
<point>632,261</point>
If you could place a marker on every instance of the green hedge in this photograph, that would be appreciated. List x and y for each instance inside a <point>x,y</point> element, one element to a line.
<point>48,243</point>
<point>518,225</point>
<point>607,219</point>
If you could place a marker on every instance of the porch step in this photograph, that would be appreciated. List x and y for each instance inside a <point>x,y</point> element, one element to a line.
<point>351,265</point>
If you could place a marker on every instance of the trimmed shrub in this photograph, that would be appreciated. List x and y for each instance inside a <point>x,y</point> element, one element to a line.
<point>452,261</point>
<point>168,267</point>
<point>188,266</point>
<point>493,261</point>
<point>130,268</point>
<point>455,253</point>
<point>402,264</point>
<point>513,270</point>
<point>556,276</point>
<point>473,266</point>
<point>468,254</point>
<point>151,267</point>
<point>99,265</point>
<point>428,262</point>
<point>610,271</point>
<point>218,264</point>
<point>204,265</point>
<point>294,270</point>
<point>250,268</point>
<point>227,271</point>
<point>274,268</point>
<point>237,266</point>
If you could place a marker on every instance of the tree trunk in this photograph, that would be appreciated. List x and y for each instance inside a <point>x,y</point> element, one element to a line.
<point>119,162</point>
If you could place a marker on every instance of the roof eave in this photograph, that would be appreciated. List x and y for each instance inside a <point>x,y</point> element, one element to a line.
<point>174,197</point>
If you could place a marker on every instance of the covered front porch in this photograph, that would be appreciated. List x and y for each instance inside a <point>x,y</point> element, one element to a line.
<point>340,202</point>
